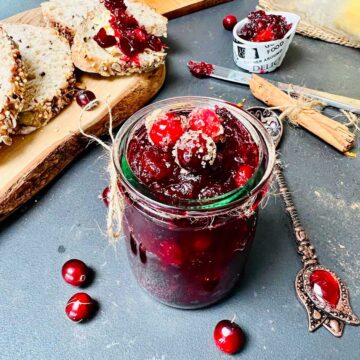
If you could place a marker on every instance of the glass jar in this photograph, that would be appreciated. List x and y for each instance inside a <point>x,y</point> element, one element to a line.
<point>191,255</point>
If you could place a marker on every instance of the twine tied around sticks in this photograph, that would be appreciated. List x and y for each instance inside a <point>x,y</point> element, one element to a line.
<point>116,199</point>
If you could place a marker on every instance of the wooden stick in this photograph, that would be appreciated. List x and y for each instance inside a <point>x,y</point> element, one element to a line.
<point>329,130</point>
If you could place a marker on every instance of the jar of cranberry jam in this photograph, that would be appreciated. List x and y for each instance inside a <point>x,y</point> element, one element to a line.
<point>192,171</point>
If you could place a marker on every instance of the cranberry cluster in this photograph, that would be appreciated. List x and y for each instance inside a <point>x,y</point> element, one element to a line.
<point>262,27</point>
<point>196,155</point>
<point>129,36</point>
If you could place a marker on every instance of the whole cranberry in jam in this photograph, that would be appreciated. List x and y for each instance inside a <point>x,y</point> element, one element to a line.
<point>207,121</point>
<point>80,307</point>
<point>170,253</point>
<point>229,22</point>
<point>74,272</point>
<point>155,165</point>
<point>325,287</point>
<point>84,97</point>
<point>229,337</point>
<point>195,150</point>
<point>243,174</point>
<point>104,40</point>
<point>166,130</point>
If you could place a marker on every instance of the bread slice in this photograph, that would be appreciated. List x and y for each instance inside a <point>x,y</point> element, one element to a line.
<point>12,86</point>
<point>66,15</point>
<point>51,79</point>
<point>88,56</point>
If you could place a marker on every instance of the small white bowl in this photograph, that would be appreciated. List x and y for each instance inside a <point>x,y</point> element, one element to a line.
<point>263,57</point>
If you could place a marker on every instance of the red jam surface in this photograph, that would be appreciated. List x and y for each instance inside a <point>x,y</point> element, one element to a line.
<point>200,69</point>
<point>262,27</point>
<point>129,36</point>
<point>198,155</point>
<point>325,287</point>
<point>207,152</point>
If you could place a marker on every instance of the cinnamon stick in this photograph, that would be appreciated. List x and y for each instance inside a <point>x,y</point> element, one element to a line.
<point>329,130</point>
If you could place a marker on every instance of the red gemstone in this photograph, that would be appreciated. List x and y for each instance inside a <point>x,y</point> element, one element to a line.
<point>80,307</point>
<point>74,272</point>
<point>325,287</point>
<point>229,22</point>
<point>229,337</point>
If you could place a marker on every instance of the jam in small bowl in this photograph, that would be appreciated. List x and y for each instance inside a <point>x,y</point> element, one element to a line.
<point>261,40</point>
<point>193,171</point>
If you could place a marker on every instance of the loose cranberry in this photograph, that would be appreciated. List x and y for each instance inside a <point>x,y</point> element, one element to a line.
<point>74,272</point>
<point>166,130</point>
<point>229,337</point>
<point>207,121</point>
<point>200,69</point>
<point>195,150</point>
<point>243,174</point>
<point>325,287</point>
<point>106,196</point>
<point>229,22</point>
<point>104,40</point>
<point>84,97</point>
<point>80,307</point>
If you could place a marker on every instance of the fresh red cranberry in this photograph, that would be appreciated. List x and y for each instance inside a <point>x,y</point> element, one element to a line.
<point>325,287</point>
<point>207,121</point>
<point>104,40</point>
<point>80,307</point>
<point>74,272</point>
<point>166,130</point>
<point>243,174</point>
<point>200,69</point>
<point>170,253</point>
<point>195,150</point>
<point>106,196</point>
<point>84,97</point>
<point>229,337</point>
<point>229,22</point>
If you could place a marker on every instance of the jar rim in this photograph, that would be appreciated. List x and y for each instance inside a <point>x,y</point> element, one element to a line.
<point>190,208</point>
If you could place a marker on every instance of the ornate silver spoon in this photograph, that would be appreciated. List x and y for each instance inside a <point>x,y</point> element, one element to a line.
<point>323,294</point>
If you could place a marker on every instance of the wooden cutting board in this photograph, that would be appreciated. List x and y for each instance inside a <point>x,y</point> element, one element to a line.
<point>34,160</point>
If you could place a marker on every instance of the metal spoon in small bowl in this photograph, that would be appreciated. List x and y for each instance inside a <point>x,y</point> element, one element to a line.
<point>323,294</point>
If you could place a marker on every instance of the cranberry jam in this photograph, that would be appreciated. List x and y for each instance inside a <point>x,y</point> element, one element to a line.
<point>192,171</point>
<point>262,27</point>
<point>131,38</point>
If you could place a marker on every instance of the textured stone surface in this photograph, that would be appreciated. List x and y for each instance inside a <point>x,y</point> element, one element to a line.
<point>67,219</point>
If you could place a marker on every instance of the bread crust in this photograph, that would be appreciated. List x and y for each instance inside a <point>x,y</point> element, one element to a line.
<point>88,56</point>
<point>15,97</point>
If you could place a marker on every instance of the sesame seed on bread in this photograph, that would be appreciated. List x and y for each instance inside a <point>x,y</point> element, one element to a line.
<point>12,87</point>
<point>51,79</point>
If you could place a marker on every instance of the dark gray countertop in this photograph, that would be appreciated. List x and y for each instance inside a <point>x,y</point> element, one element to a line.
<point>66,219</point>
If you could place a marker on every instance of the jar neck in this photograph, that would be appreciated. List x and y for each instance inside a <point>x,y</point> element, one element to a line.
<point>217,206</point>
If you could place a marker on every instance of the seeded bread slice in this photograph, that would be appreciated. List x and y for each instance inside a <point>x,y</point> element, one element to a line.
<point>12,86</point>
<point>66,15</point>
<point>88,56</point>
<point>51,79</point>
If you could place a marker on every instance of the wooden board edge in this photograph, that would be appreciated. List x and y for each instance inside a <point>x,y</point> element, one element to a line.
<point>56,158</point>
<point>193,8</point>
